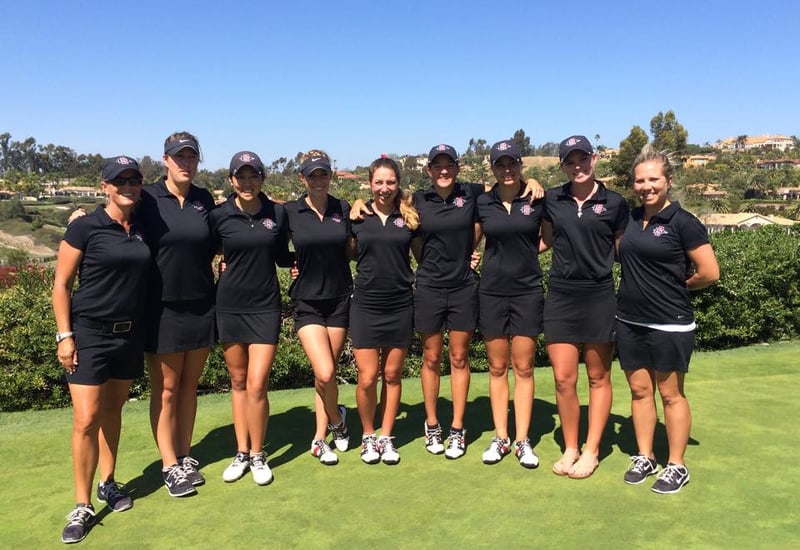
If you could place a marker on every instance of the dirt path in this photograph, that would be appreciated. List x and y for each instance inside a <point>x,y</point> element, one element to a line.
<point>27,244</point>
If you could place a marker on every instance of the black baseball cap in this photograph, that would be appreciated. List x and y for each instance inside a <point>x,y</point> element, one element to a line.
<point>574,143</point>
<point>505,148</point>
<point>246,158</point>
<point>315,162</point>
<point>179,144</point>
<point>114,166</point>
<point>442,149</point>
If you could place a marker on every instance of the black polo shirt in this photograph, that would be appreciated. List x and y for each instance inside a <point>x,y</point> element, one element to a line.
<point>251,246</point>
<point>112,275</point>
<point>180,239</point>
<point>655,266</point>
<point>511,257</point>
<point>447,231</point>
<point>321,249</point>
<point>384,266</point>
<point>583,240</point>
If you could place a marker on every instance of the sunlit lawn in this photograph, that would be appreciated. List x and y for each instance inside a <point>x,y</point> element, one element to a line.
<point>742,494</point>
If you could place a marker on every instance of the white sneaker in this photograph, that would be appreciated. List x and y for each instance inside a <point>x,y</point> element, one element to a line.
<point>433,439</point>
<point>341,436</point>
<point>497,449</point>
<point>321,450</point>
<point>369,449</point>
<point>237,468</point>
<point>389,453</point>
<point>262,475</point>
<point>456,444</point>
<point>525,453</point>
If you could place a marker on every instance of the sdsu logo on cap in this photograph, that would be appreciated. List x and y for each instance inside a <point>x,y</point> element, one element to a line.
<point>246,157</point>
<point>572,141</point>
<point>123,161</point>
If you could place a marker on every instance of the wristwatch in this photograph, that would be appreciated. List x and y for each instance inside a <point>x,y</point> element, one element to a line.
<point>62,336</point>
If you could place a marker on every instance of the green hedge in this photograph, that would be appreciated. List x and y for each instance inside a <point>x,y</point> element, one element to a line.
<point>756,300</point>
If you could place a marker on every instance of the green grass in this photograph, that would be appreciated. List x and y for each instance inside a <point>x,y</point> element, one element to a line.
<point>741,455</point>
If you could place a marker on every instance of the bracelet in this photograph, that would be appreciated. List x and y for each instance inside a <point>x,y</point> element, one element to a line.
<point>63,336</point>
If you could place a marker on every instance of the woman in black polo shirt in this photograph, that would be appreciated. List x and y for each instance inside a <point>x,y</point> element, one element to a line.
<point>582,222</point>
<point>180,306</point>
<point>510,298</point>
<point>319,229</point>
<point>446,295</point>
<point>100,333</point>
<point>252,233</point>
<point>446,289</point>
<point>381,310</point>
<point>664,254</point>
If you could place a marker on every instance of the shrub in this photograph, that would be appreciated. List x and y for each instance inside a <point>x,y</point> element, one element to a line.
<point>756,300</point>
<point>758,296</point>
<point>30,375</point>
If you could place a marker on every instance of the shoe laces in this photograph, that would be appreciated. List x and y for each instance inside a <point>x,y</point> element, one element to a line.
<point>433,435</point>
<point>258,461</point>
<point>672,473</point>
<point>640,464</point>
<point>112,490</point>
<point>176,473</point>
<point>241,458</point>
<point>523,447</point>
<point>386,444</point>
<point>189,464</point>
<point>320,447</point>
<point>456,439</point>
<point>80,515</point>
<point>500,445</point>
<point>369,444</point>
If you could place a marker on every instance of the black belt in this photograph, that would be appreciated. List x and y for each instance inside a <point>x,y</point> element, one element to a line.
<point>107,328</point>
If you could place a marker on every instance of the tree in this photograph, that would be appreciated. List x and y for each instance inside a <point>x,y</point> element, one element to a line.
<point>477,147</point>
<point>629,148</point>
<point>741,141</point>
<point>549,149</point>
<point>151,169</point>
<point>523,142</point>
<point>668,134</point>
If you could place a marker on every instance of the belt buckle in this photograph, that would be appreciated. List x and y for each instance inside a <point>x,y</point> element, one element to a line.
<point>122,326</point>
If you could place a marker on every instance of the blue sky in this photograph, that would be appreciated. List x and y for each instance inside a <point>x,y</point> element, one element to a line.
<point>363,78</point>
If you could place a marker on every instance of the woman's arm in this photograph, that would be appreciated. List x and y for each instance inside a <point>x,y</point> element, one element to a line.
<point>416,248</point>
<point>69,258</point>
<point>546,241</point>
<point>359,210</point>
<point>706,271</point>
<point>533,188</point>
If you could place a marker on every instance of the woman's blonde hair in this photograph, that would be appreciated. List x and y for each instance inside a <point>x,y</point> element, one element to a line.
<point>650,153</point>
<point>404,199</point>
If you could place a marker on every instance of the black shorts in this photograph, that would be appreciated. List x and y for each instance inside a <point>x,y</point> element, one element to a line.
<point>511,315</point>
<point>180,326</point>
<point>437,309</point>
<point>580,314</point>
<point>333,312</point>
<point>381,326</point>
<point>249,328</point>
<point>643,347</point>
<point>104,354</point>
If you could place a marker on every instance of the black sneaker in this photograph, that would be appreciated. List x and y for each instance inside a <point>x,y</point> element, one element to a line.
<point>79,523</point>
<point>176,482</point>
<point>112,494</point>
<point>189,466</point>
<point>642,467</point>
<point>672,479</point>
